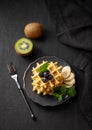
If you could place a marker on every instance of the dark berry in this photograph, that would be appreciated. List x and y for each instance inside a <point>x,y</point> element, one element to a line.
<point>45,74</point>
<point>44,79</point>
<point>47,71</point>
<point>41,74</point>
<point>50,77</point>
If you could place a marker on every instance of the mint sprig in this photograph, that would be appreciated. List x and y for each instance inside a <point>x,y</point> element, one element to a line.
<point>61,91</point>
<point>43,67</point>
<point>57,96</point>
<point>71,91</point>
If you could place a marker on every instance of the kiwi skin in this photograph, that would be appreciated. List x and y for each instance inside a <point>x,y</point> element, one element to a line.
<point>21,54</point>
<point>33,30</point>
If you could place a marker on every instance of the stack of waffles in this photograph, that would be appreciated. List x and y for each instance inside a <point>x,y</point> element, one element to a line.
<point>46,87</point>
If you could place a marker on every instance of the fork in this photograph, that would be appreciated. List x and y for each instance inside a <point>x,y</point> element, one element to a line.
<point>14,75</point>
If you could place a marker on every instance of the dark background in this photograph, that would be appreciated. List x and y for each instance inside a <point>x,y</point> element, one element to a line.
<point>14,115</point>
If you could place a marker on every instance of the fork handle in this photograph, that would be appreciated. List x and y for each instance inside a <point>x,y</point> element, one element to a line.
<point>25,100</point>
<point>18,85</point>
<point>32,115</point>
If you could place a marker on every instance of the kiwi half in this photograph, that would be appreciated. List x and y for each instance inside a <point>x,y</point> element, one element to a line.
<point>23,46</point>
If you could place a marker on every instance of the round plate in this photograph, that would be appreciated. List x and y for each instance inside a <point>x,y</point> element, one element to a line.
<point>27,83</point>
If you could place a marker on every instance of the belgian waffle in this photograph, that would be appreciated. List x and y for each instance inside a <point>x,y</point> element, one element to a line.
<point>46,87</point>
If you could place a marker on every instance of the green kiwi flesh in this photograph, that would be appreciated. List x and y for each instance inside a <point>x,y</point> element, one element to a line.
<point>23,46</point>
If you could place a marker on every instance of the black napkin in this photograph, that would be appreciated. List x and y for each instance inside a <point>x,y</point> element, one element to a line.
<point>73,22</point>
<point>86,100</point>
<point>84,63</point>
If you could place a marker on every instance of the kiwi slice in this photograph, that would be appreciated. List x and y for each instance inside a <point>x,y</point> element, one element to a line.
<point>23,46</point>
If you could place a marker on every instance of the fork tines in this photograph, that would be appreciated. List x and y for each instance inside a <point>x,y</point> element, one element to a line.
<point>11,68</point>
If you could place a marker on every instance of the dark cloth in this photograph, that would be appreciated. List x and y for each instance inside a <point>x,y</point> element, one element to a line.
<point>83,63</point>
<point>73,22</point>
<point>86,100</point>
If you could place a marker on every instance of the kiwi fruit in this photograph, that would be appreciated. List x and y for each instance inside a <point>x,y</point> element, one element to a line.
<point>33,30</point>
<point>23,46</point>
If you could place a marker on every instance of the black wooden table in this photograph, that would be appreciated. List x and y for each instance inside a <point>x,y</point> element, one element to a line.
<point>14,114</point>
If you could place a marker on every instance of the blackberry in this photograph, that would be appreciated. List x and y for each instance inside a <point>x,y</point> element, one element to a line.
<point>46,73</point>
<point>44,79</point>
<point>50,77</point>
<point>45,76</point>
<point>41,74</point>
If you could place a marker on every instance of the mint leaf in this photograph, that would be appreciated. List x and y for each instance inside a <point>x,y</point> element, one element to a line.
<point>63,89</point>
<point>60,90</point>
<point>57,96</point>
<point>71,91</point>
<point>43,67</point>
<point>57,90</point>
<point>60,98</point>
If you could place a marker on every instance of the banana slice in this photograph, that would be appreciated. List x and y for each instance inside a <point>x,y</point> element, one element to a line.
<point>66,71</point>
<point>68,86</point>
<point>70,77</point>
<point>71,82</point>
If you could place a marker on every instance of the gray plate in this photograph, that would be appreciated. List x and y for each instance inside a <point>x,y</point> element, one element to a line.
<point>42,100</point>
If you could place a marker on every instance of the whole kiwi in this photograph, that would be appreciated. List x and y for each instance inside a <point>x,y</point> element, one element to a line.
<point>33,30</point>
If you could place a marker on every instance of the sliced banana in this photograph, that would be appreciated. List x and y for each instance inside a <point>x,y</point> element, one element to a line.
<point>70,77</point>
<point>66,71</point>
<point>71,82</point>
<point>68,86</point>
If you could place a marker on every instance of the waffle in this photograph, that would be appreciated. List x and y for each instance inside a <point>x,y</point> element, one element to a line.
<point>46,87</point>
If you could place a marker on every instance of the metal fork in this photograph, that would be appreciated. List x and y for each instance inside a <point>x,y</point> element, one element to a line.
<point>14,75</point>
